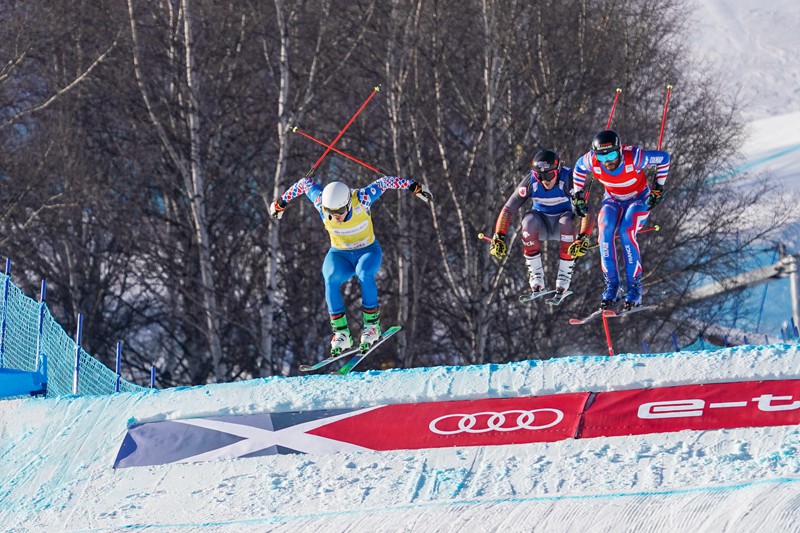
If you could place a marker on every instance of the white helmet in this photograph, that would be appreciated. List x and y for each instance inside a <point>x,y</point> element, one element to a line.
<point>336,198</point>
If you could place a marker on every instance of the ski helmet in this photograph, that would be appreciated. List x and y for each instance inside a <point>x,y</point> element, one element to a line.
<point>545,165</point>
<point>336,198</point>
<point>606,143</point>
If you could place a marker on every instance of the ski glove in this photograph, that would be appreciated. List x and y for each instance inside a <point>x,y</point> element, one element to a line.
<point>579,205</point>
<point>499,248</point>
<point>579,247</point>
<point>421,191</point>
<point>277,208</point>
<point>656,196</point>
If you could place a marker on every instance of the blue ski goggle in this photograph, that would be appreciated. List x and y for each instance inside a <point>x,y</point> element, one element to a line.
<point>606,158</point>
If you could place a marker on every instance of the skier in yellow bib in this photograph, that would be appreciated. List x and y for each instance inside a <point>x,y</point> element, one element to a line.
<point>346,215</point>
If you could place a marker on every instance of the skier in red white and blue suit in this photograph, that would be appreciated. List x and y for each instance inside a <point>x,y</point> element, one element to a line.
<point>625,208</point>
<point>347,216</point>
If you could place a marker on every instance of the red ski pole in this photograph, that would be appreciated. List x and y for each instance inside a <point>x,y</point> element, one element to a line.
<point>330,147</point>
<point>608,336</point>
<point>348,156</point>
<point>664,117</point>
<point>608,125</point>
<point>613,107</point>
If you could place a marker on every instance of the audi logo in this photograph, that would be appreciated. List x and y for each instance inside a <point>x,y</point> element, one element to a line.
<point>494,421</point>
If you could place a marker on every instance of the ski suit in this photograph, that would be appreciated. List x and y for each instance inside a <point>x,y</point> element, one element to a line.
<point>624,209</point>
<point>550,217</point>
<point>354,249</point>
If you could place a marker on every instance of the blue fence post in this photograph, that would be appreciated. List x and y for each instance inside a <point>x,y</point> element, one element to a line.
<point>794,328</point>
<point>745,340</point>
<point>5,314</point>
<point>725,340</point>
<point>77,355</point>
<point>40,332</point>
<point>118,366</point>
<point>153,377</point>
<point>644,347</point>
<point>766,339</point>
<point>702,342</point>
<point>675,342</point>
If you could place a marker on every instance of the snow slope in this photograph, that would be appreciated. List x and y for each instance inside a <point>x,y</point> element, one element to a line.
<point>56,459</point>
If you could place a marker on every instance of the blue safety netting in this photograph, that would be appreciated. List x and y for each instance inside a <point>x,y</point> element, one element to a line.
<point>28,331</point>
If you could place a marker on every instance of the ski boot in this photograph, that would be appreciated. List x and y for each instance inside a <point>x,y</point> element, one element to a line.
<point>535,273</point>
<point>633,298</point>
<point>610,295</point>
<point>372,329</point>
<point>564,276</point>
<point>341,339</point>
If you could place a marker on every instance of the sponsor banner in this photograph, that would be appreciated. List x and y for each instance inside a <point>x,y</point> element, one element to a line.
<point>384,427</point>
<point>228,437</point>
<point>461,423</point>
<point>698,407</point>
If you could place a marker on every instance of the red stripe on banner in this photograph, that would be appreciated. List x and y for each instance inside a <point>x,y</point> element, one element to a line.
<point>461,423</point>
<point>697,407</point>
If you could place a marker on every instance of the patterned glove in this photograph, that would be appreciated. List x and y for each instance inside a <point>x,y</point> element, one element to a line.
<point>580,246</point>
<point>656,196</point>
<point>579,205</point>
<point>421,191</point>
<point>277,208</point>
<point>499,248</point>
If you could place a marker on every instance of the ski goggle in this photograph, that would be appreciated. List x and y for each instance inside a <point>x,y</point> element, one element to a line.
<point>339,211</point>
<point>545,175</point>
<point>606,158</point>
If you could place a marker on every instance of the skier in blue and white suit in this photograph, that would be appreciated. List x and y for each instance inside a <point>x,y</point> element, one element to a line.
<point>548,184</point>
<point>347,216</point>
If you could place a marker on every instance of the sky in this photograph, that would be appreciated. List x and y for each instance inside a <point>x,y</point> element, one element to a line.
<point>56,455</point>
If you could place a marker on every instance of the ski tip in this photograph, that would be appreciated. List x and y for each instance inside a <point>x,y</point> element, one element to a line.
<point>305,368</point>
<point>609,313</point>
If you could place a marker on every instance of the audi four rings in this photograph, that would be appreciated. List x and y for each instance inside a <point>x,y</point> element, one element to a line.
<point>495,421</point>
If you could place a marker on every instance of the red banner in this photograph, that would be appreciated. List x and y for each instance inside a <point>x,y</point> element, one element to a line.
<point>460,423</point>
<point>699,407</point>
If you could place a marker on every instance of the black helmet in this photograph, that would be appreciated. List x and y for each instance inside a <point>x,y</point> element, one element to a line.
<point>545,165</point>
<point>606,141</point>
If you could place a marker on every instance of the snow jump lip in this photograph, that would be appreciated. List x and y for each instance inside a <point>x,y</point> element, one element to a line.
<point>485,422</point>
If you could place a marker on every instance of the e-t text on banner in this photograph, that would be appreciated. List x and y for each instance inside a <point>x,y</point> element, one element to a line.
<point>698,407</point>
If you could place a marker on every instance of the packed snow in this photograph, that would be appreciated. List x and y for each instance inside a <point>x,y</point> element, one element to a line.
<point>57,458</point>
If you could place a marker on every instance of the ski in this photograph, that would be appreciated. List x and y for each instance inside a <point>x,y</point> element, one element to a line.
<point>351,364</point>
<point>592,316</point>
<point>329,360</point>
<point>530,296</point>
<point>558,298</point>
<point>584,320</point>
<point>610,313</point>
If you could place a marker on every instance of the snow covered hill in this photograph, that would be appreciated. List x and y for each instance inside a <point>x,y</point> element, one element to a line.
<point>56,459</point>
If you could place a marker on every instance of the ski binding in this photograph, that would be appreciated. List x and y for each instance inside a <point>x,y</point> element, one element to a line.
<point>351,364</point>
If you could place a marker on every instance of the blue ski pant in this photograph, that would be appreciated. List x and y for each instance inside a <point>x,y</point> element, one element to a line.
<point>341,265</point>
<point>626,218</point>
